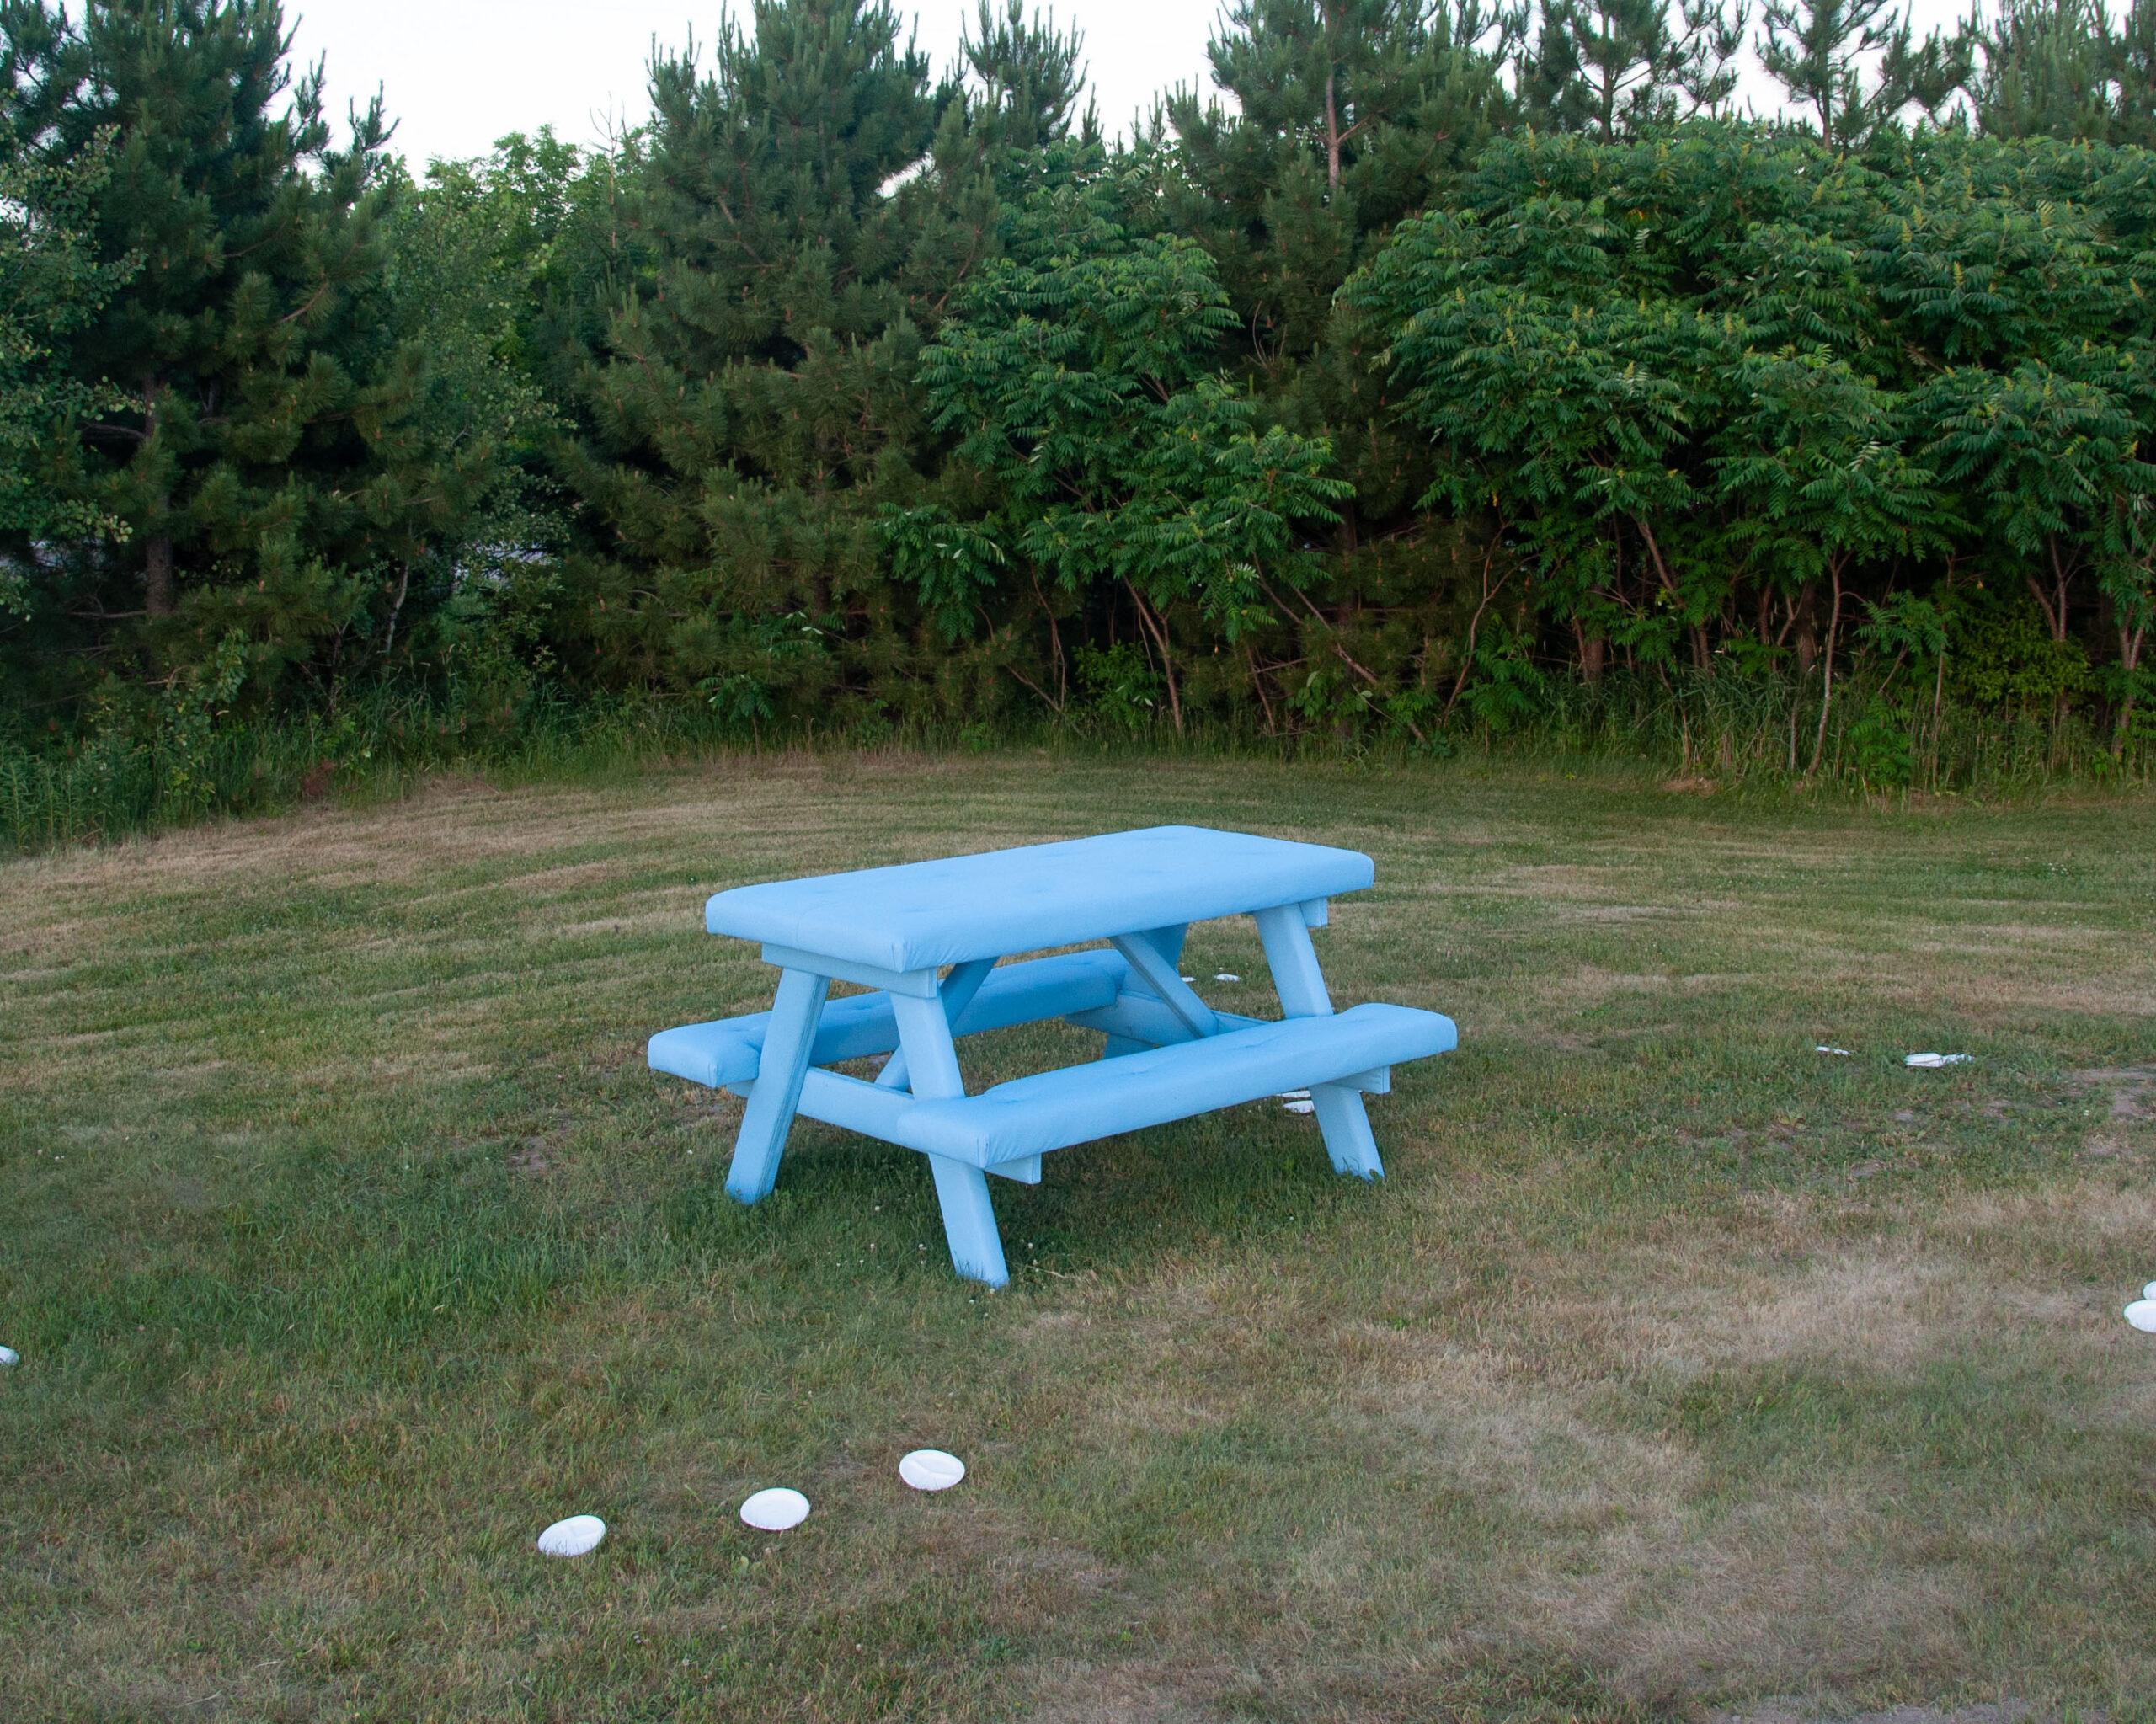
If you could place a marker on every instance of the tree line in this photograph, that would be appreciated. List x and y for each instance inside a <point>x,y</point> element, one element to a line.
<point>1465,367</point>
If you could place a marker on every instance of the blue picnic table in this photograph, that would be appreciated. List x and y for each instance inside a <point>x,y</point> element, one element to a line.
<point>928,938</point>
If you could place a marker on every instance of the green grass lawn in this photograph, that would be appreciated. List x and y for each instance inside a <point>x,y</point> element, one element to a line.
<point>347,1241</point>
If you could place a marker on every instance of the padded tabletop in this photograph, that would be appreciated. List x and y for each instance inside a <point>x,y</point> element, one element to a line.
<point>919,915</point>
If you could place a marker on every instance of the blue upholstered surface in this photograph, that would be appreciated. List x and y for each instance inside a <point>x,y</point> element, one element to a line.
<point>920,914</point>
<point>1056,1109</point>
<point>728,1051</point>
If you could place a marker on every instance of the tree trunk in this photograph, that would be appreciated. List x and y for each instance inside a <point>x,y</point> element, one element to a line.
<point>1827,698</point>
<point>2053,603</point>
<point>2053,606</point>
<point>2130,644</point>
<point>1155,624</point>
<point>395,611</point>
<point>1258,683</point>
<point>1700,654</point>
<point>1331,137</point>
<point>1593,649</point>
<point>1474,626</point>
<point>1807,627</point>
<point>1055,645</point>
<point>157,575</point>
<point>158,598</point>
<point>1937,704</point>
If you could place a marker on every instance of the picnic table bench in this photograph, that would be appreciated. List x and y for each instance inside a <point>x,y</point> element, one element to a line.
<point>926,938</point>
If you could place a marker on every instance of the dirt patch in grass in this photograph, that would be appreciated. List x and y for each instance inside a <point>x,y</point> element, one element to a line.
<point>2131,1089</point>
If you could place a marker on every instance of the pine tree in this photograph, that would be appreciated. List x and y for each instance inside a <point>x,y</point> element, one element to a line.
<point>756,368</point>
<point>1612,68</point>
<point>2133,68</point>
<point>1819,50</point>
<point>2047,70</point>
<point>796,223</point>
<point>247,343</point>
<point>1027,81</point>
<point>1349,114</point>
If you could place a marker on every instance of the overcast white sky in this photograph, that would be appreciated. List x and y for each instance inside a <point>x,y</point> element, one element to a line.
<point>460,73</point>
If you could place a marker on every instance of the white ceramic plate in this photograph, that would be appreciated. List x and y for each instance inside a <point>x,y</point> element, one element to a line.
<point>574,1537</point>
<point>931,1470</point>
<point>774,1511</point>
<point>2142,1313</point>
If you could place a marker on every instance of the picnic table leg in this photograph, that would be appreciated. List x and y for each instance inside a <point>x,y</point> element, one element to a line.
<point>961,1190</point>
<point>1348,1140</point>
<point>969,1221</point>
<point>957,993</point>
<point>769,1116</point>
<point>1301,987</point>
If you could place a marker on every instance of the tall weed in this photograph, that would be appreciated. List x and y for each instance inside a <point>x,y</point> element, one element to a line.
<point>196,760</point>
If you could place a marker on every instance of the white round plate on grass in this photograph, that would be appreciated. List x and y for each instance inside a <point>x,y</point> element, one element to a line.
<point>931,1470</point>
<point>774,1511</point>
<point>2142,1313</point>
<point>577,1536</point>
